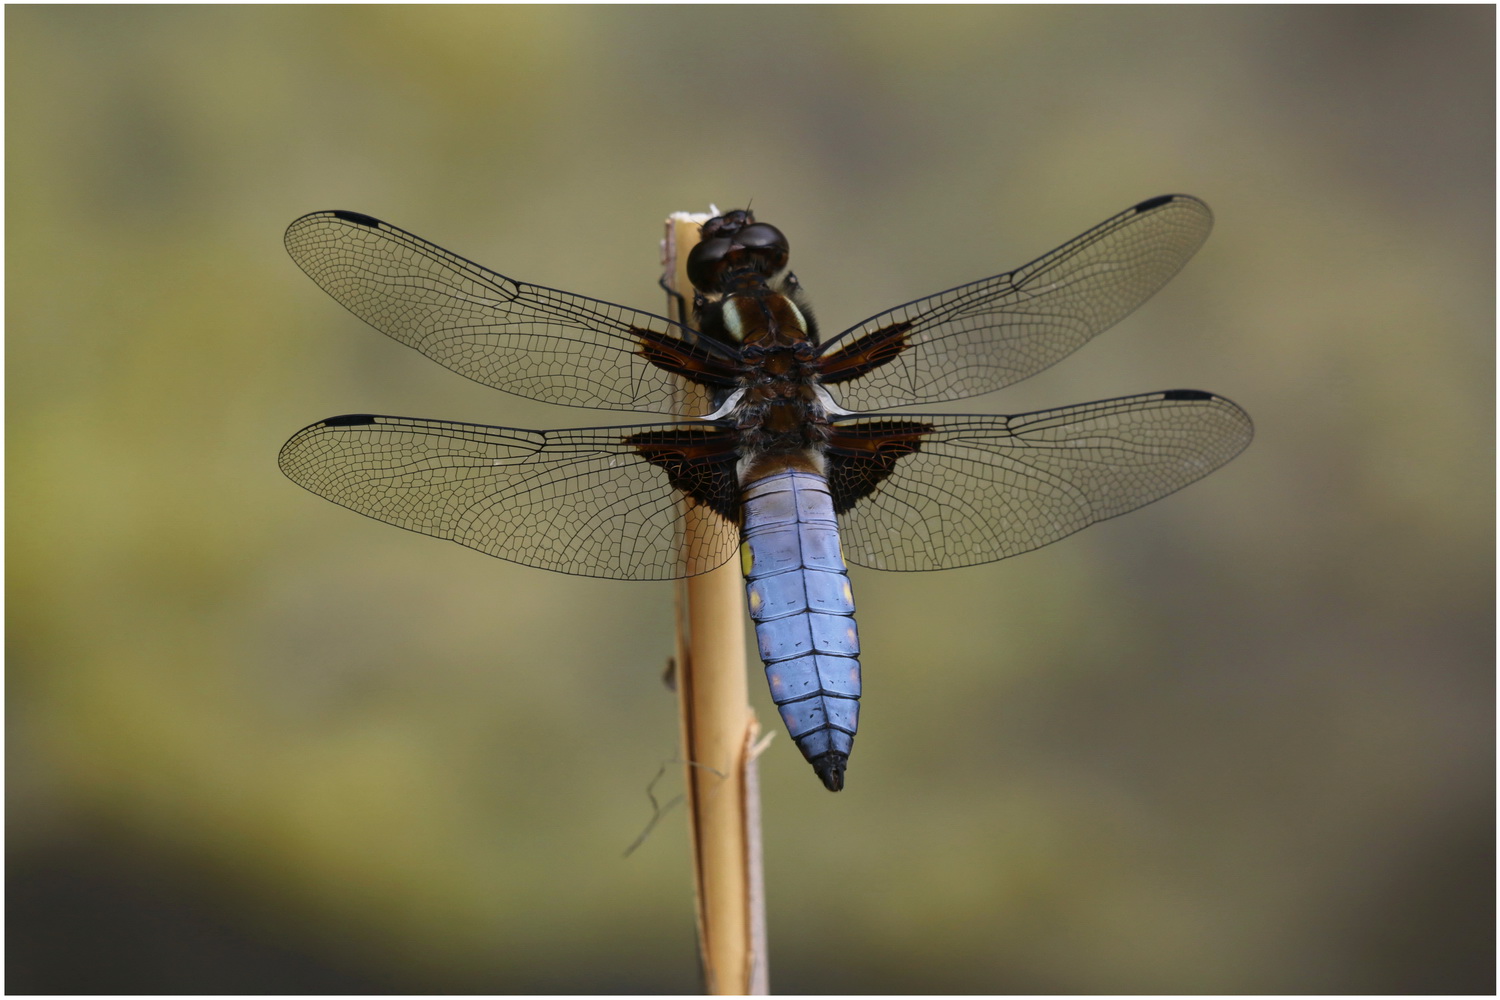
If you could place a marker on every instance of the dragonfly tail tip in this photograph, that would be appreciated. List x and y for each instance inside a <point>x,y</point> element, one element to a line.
<point>830,768</point>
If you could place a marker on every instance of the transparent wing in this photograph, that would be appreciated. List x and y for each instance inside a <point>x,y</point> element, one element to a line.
<point>988,334</point>
<point>581,501</point>
<point>525,339</point>
<point>980,488</point>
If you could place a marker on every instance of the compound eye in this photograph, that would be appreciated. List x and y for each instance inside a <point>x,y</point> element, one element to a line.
<point>705,262</point>
<point>761,235</point>
<point>766,245</point>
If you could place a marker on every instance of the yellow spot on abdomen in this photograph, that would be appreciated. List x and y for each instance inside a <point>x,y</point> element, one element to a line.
<point>747,559</point>
<point>755,601</point>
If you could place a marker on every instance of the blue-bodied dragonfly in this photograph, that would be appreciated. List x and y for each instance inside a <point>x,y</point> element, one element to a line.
<point>785,451</point>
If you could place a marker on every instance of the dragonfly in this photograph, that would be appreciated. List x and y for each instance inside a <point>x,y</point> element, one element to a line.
<point>783,452</point>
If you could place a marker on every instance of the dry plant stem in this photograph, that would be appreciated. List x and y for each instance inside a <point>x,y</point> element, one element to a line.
<point>718,731</point>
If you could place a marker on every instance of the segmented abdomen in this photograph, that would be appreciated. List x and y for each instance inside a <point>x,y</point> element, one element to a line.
<point>803,609</point>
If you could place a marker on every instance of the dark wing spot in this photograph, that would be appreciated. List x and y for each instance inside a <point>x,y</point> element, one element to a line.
<point>865,354</point>
<point>1186,394</point>
<point>350,420</point>
<point>1156,202</point>
<point>860,456</point>
<point>699,461</point>
<point>672,354</point>
<point>358,218</point>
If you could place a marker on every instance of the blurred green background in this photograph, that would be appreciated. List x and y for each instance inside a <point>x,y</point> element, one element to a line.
<point>1240,741</point>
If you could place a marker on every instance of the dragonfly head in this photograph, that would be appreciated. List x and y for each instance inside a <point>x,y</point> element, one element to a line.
<point>733,248</point>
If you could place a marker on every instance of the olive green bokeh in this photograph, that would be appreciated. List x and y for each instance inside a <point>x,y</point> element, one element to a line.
<point>1240,741</point>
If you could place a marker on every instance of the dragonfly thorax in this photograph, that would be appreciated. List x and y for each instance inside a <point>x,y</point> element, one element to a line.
<point>781,417</point>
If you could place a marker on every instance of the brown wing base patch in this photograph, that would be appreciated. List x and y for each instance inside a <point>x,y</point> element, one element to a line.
<point>865,354</point>
<point>699,461</point>
<point>861,455</point>
<point>679,357</point>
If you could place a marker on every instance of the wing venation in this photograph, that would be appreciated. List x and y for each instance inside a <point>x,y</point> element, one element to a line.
<point>594,501</point>
<point>525,339</point>
<point>973,489</point>
<point>988,334</point>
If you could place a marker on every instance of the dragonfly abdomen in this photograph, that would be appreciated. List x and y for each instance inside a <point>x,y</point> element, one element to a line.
<point>800,599</point>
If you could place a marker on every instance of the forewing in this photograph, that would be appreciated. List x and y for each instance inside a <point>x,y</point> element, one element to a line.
<point>525,339</point>
<point>585,501</point>
<point>988,334</point>
<point>937,491</point>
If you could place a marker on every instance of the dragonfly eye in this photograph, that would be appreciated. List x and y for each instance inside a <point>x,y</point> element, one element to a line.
<point>758,248</point>
<point>764,237</point>
<point>706,263</point>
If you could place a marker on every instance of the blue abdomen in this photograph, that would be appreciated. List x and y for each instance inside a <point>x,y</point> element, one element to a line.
<point>803,609</point>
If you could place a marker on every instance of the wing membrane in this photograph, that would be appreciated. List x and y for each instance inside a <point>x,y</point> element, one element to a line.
<point>525,339</point>
<point>582,501</point>
<point>981,488</point>
<point>991,333</point>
